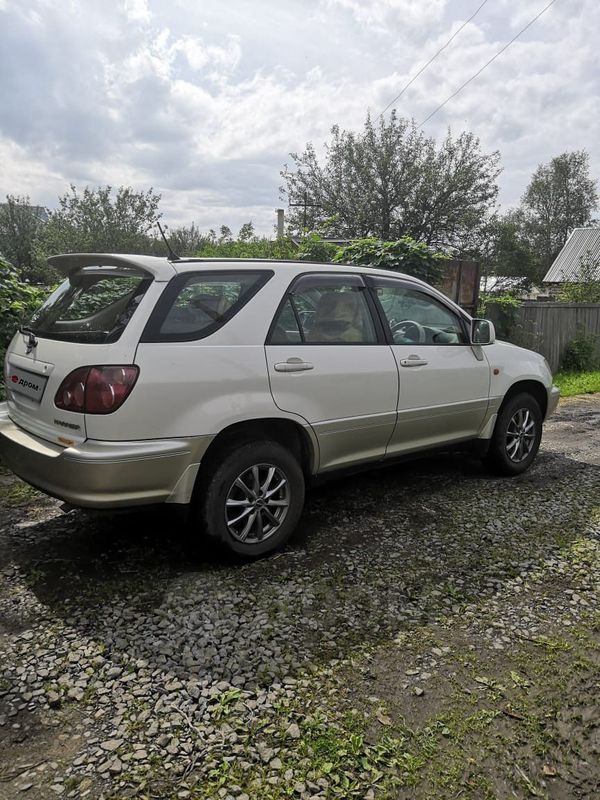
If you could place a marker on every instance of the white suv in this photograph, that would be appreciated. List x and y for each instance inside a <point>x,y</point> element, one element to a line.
<point>226,385</point>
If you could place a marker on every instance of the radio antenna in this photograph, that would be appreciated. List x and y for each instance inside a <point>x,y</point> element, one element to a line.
<point>172,254</point>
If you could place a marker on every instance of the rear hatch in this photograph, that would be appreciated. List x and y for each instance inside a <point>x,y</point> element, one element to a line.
<point>95,317</point>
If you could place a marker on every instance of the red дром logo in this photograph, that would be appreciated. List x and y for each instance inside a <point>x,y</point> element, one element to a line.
<point>15,379</point>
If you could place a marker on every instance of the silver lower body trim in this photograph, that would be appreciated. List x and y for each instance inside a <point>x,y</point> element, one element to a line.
<point>104,474</point>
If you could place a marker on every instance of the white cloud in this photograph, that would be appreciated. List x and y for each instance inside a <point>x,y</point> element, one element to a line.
<point>158,57</point>
<point>206,104</point>
<point>137,10</point>
<point>24,174</point>
<point>378,13</point>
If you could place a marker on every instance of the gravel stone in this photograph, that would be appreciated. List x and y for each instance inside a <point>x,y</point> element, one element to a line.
<point>293,731</point>
<point>165,665</point>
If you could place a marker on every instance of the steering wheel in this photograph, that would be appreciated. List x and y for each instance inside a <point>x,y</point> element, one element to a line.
<point>407,331</point>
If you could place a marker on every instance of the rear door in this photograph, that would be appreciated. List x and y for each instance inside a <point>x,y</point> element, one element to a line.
<point>86,321</point>
<point>444,381</point>
<point>328,363</point>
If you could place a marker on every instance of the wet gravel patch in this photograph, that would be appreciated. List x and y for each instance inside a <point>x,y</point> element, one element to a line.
<point>136,665</point>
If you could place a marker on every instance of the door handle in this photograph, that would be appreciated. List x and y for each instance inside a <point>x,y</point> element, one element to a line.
<point>413,361</point>
<point>293,365</point>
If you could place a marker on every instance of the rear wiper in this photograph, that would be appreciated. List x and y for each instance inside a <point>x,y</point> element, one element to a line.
<point>32,341</point>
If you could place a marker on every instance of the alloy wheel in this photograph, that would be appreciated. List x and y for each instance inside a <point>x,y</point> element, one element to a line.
<point>257,503</point>
<point>520,435</point>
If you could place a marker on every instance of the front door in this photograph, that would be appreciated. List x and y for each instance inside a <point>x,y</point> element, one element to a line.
<point>444,381</point>
<point>328,363</point>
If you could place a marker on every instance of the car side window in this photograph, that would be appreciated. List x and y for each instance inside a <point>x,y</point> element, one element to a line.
<point>286,329</point>
<point>196,304</point>
<point>416,317</point>
<point>325,310</point>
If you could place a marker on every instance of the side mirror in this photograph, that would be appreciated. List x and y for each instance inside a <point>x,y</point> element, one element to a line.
<point>482,331</point>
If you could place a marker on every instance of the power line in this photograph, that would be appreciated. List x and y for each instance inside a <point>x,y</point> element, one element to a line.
<point>443,47</point>
<point>487,63</point>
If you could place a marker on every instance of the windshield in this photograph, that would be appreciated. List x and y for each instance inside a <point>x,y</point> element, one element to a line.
<point>91,306</point>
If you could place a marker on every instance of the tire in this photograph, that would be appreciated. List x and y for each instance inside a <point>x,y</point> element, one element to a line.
<point>273,492</point>
<point>517,436</point>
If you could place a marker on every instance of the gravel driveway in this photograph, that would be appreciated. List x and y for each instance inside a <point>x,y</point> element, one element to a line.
<point>430,632</point>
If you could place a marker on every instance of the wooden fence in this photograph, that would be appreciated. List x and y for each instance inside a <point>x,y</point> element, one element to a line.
<point>548,327</point>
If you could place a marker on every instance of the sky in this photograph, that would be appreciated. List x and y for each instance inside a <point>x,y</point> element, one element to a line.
<point>205,100</point>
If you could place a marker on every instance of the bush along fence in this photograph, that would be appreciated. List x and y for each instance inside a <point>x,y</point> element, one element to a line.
<point>566,334</point>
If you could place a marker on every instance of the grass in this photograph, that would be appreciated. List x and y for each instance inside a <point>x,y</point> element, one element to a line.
<point>572,383</point>
<point>17,494</point>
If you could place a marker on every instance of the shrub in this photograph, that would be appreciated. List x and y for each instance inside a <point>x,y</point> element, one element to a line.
<point>253,248</point>
<point>18,300</point>
<point>404,255</point>
<point>582,353</point>
<point>313,248</point>
<point>587,288</point>
<point>505,302</point>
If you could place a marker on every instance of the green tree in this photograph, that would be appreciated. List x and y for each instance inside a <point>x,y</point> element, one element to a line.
<point>390,180</point>
<point>587,288</point>
<point>18,300</point>
<point>504,253</point>
<point>185,240</point>
<point>246,233</point>
<point>561,196</point>
<point>314,248</point>
<point>100,221</point>
<point>404,255</point>
<point>20,223</point>
<point>255,248</point>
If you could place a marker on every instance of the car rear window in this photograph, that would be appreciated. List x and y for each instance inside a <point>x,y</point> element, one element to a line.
<point>195,305</point>
<point>93,306</point>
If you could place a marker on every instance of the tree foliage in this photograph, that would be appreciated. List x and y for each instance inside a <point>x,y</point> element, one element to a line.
<point>582,353</point>
<point>314,248</point>
<point>560,196</point>
<point>506,260</point>
<point>246,245</point>
<point>390,180</point>
<point>20,224</point>
<point>185,240</point>
<point>587,288</point>
<point>405,255</point>
<point>100,221</point>
<point>18,300</point>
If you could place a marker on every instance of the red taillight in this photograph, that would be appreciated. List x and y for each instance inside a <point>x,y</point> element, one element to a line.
<point>107,388</point>
<point>96,390</point>
<point>71,392</point>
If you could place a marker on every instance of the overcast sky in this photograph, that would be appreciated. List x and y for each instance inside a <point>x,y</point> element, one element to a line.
<point>204,100</point>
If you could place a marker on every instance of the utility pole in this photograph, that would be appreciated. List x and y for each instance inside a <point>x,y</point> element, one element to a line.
<point>306,205</point>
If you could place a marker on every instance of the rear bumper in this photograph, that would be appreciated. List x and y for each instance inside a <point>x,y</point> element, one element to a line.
<point>104,474</point>
<point>553,398</point>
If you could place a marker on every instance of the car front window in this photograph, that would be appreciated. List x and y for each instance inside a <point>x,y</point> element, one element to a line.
<point>417,317</point>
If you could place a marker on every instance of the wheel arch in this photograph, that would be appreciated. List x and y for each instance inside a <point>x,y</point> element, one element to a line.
<point>286,432</point>
<point>535,388</point>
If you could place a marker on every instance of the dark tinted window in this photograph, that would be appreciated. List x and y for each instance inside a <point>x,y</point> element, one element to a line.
<point>325,310</point>
<point>195,305</point>
<point>92,306</point>
<point>416,317</point>
<point>286,330</point>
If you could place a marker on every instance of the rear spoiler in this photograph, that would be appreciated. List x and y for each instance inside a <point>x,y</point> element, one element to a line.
<point>159,268</point>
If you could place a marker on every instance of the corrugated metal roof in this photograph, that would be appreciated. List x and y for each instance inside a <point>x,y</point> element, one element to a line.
<point>568,262</point>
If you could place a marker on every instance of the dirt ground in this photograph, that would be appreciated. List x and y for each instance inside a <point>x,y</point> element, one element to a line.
<point>430,632</point>
<point>575,428</point>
